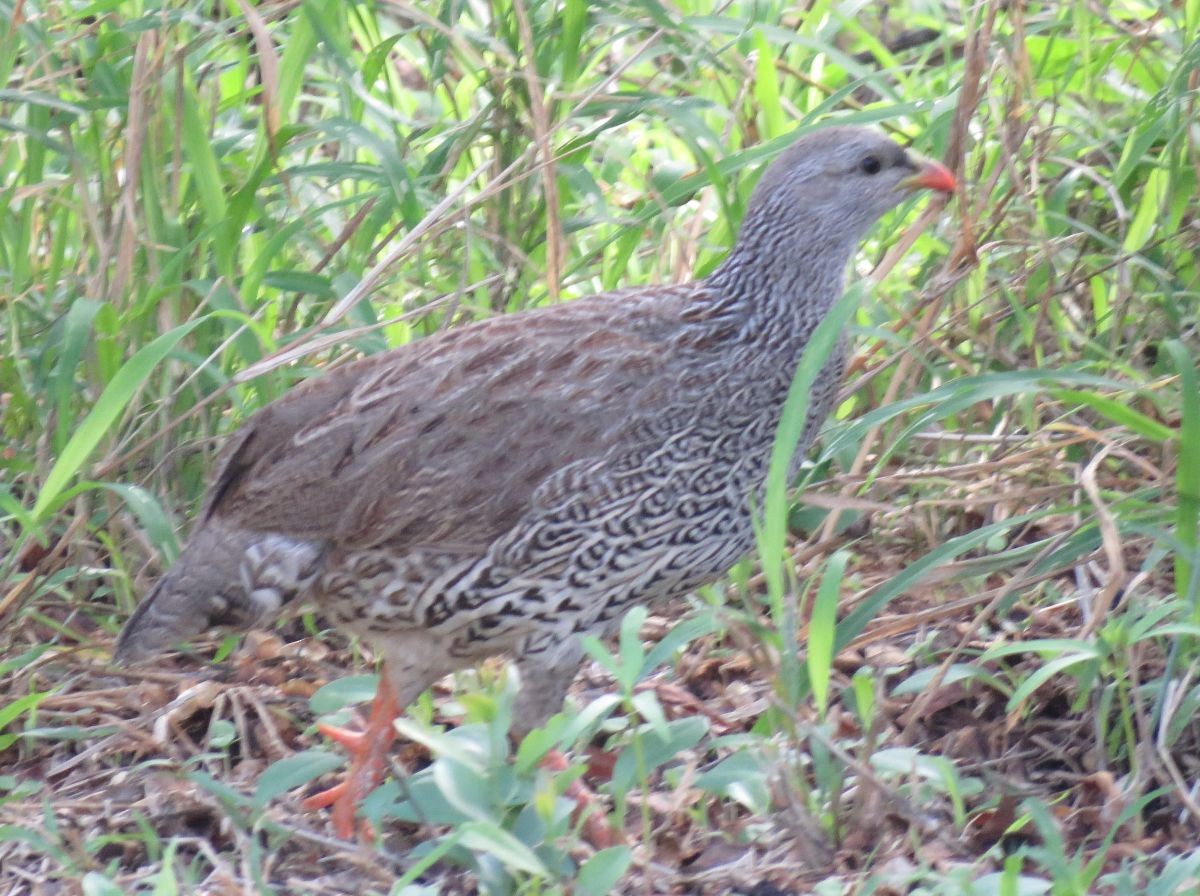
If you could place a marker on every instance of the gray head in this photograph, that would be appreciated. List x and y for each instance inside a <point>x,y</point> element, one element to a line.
<point>842,179</point>
<point>810,211</point>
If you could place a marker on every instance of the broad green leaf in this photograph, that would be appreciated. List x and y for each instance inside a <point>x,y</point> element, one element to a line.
<point>742,777</point>
<point>461,745</point>
<point>96,884</point>
<point>652,750</point>
<point>598,876</point>
<point>463,788</point>
<point>292,772</point>
<point>342,693</point>
<point>491,838</point>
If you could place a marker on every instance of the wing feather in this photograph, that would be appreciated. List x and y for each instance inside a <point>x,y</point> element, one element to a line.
<point>444,441</point>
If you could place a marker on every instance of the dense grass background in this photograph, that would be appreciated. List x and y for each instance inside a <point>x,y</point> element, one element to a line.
<point>204,202</point>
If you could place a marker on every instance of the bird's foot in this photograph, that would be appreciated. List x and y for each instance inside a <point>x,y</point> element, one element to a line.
<point>596,829</point>
<point>368,751</point>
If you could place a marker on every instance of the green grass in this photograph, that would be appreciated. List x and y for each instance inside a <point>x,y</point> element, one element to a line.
<point>203,203</point>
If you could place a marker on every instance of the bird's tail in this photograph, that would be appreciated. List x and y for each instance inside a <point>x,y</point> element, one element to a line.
<point>224,577</point>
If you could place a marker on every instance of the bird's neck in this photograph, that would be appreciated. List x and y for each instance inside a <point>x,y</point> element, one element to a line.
<point>779,283</point>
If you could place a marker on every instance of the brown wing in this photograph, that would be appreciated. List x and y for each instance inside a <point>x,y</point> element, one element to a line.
<point>444,441</point>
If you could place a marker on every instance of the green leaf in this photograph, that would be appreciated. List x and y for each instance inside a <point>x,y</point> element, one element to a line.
<point>822,630</point>
<point>924,678</point>
<point>647,706</point>
<point>14,709</point>
<point>1119,413</point>
<point>165,883</point>
<point>772,537</point>
<point>1044,673</point>
<point>854,623</point>
<point>484,836</point>
<point>373,62</point>
<point>460,745</point>
<point>766,87</point>
<point>590,717</point>
<point>343,692</point>
<point>292,772</point>
<point>682,734</point>
<point>292,64</point>
<point>1041,647</point>
<point>221,734</point>
<point>632,650</point>
<point>598,876</point>
<point>596,649</point>
<point>197,146</point>
<point>681,635</point>
<point>150,514</point>
<point>109,406</point>
<point>1149,211</point>
<point>96,884</point>
<point>463,788</point>
<point>1187,474</point>
<point>742,777</point>
<point>405,885</point>
<point>76,331</point>
<point>574,20</point>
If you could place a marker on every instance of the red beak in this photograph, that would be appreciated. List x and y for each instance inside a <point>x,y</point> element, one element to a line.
<point>930,175</point>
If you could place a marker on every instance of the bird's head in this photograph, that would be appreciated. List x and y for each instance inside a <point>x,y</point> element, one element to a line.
<point>844,177</point>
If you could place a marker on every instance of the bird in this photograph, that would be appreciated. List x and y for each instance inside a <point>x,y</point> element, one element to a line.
<point>507,486</point>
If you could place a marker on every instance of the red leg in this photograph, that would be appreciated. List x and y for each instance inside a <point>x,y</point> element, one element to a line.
<point>368,751</point>
<point>596,829</point>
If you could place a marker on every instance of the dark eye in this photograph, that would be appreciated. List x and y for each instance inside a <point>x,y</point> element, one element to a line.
<point>870,165</point>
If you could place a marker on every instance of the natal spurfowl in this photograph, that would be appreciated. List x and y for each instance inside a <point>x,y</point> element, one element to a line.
<point>506,486</point>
